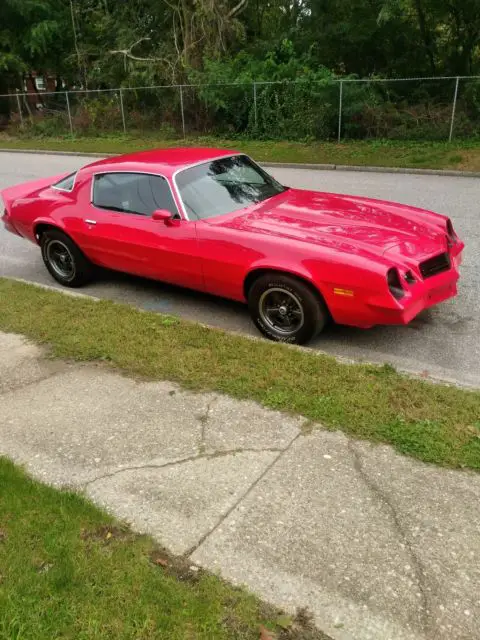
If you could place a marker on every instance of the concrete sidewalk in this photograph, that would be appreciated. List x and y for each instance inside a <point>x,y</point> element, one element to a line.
<point>376,545</point>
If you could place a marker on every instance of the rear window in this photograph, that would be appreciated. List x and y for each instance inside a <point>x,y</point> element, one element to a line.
<point>66,184</point>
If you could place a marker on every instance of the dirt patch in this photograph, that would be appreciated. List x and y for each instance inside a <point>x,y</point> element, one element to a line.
<point>107,534</point>
<point>176,566</point>
<point>298,627</point>
<point>302,628</point>
<point>470,160</point>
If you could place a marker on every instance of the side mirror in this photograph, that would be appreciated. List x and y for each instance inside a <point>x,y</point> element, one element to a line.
<point>167,217</point>
<point>162,215</point>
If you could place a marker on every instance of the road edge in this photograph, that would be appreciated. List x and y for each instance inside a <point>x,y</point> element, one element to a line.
<point>285,165</point>
<point>410,373</point>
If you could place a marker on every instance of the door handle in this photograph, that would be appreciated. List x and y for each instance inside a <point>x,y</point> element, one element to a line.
<point>87,221</point>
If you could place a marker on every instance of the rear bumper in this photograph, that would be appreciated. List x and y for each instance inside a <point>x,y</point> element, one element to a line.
<point>8,224</point>
<point>383,309</point>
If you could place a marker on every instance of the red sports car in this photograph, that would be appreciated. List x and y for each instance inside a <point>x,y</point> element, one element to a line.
<point>215,221</point>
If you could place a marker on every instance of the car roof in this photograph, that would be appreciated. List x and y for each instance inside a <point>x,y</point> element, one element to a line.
<point>164,161</point>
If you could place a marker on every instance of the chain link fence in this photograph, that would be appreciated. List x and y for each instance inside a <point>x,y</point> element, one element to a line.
<point>332,109</point>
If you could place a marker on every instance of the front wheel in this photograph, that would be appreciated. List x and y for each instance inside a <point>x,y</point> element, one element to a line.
<point>285,309</point>
<point>64,260</point>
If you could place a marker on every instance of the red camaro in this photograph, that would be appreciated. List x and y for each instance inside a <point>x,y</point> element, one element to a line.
<point>215,221</point>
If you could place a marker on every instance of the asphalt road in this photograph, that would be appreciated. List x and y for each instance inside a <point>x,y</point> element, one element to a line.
<point>443,342</point>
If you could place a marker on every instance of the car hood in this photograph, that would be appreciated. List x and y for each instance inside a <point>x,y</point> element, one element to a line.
<point>346,222</point>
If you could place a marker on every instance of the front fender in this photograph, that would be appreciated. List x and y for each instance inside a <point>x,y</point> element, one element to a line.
<point>299,270</point>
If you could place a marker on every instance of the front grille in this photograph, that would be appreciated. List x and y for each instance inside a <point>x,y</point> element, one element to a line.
<point>435,265</point>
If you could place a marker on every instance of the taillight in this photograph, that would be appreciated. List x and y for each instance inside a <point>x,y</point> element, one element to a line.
<point>394,283</point>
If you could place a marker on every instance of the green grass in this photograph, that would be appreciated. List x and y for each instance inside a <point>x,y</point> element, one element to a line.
<point>432,422</point>
<point>462,155</point>
<point>68,570</point>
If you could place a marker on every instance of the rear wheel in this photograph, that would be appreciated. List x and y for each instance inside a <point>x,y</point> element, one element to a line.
<point>285,309</point>
<point>64,260</point>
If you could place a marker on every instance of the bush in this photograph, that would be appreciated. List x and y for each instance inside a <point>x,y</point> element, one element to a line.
<point>96,115</point>
<point>307,109</point>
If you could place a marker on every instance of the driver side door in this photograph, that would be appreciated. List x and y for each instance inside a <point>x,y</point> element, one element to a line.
<point>118,231</point>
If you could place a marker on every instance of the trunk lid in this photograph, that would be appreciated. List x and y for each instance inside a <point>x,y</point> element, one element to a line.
<point>27,190</point>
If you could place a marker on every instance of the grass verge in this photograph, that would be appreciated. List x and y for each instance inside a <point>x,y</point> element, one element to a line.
<point>432,422</point>
<point>68,570</point>
<point>462,155</point>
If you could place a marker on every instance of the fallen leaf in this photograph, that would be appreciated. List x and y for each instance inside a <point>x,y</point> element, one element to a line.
<point>108,536</point>
<point>44,567</point>
<point>265,634</point>
<point>161,562</point>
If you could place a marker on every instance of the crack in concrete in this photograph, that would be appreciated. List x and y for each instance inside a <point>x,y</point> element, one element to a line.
<point>176,463</point>
<point>33,382</point>
<point>281,453</point>
<point>416,563</point>
<point>203,419</point>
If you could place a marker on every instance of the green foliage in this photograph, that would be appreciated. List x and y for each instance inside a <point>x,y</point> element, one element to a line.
<point>143,42</point>
<point>99,113</point>
<point>33,35</point>
<point>307,109</point>
<point>70,570</point>
<point>54,124</point>
<point>100,44</point>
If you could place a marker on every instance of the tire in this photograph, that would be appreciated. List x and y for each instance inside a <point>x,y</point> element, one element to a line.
<point>285,309</point>
<point>64,260</point>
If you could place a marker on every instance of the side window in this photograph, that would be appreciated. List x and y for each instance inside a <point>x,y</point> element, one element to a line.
<point>138,193</point>
<point>162,195</point>
<point>67,183</point>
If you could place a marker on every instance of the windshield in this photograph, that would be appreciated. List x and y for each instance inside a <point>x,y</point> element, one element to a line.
<point>223,186</point>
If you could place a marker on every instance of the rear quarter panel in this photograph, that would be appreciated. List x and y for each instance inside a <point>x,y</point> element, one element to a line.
<point>50,206</point>
<point>31,203</point>
<point>28,213</point>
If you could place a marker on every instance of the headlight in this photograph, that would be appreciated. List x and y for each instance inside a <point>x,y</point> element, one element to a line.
<point>409,277</point>
<point>452,236</point>
<point>394,283</point>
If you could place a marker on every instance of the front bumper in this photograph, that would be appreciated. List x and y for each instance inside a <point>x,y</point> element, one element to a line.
<point>424,294</point>
<point>369,311</point>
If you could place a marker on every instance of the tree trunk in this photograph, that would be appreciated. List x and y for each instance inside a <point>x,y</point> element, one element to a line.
<point>5,101</point>
<point>426,35</point>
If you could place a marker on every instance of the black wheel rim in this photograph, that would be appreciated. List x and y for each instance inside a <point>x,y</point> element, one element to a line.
<point>281,311</point>
<point>60,259</point>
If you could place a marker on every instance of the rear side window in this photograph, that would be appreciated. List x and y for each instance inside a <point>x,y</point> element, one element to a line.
<point>137,193</point>
<point>66,184</point>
